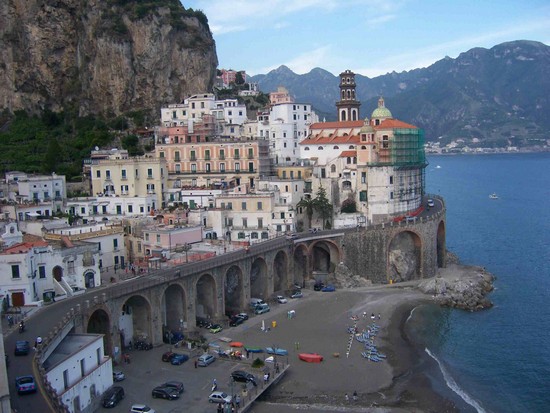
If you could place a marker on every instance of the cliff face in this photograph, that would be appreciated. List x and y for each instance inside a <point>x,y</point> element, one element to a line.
<point>101,56</point>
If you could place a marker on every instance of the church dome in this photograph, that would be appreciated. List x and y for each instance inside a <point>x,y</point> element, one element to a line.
<point>381,112</point>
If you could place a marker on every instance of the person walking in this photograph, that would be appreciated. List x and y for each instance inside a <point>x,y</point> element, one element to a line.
<point>355,397</point>
<point>346,397</point>
<point>196,364</point>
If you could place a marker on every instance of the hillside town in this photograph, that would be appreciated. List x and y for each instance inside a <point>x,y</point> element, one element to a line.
<point>217,180</point>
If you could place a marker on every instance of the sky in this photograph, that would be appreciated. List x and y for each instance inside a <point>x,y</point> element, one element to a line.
<point>369,37</point>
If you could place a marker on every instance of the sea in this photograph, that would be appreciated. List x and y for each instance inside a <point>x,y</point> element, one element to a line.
<point>495,360</point>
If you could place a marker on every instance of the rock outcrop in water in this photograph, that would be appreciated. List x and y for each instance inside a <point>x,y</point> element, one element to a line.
<point>106,57</point>
<point>466,291</point>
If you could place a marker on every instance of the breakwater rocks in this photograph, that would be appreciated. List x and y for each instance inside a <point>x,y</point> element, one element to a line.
<point>459,286</point>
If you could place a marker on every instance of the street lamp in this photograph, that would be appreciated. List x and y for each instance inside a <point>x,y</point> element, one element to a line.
<point>186,247</point>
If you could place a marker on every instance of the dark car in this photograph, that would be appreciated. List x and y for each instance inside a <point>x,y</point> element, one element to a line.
<point>168,356</point>
<point>25,384</point>
<point>168,393</point>
<point>243,376</point>
<point>178,385</point>
<point>22,348</point>
<point>179,359</point>
<point>113,396</point>
<point>235,321</point>
<point>318,286</point>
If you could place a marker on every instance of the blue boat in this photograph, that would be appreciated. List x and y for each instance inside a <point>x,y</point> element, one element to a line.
<point>276,351</point>
<point>254,349</point>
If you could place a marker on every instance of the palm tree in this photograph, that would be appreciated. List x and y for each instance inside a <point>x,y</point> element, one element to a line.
<point>308,204</point>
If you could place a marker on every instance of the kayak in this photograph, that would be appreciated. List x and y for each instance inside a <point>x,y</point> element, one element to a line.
<point>236,344</point>
<point>310,357</point>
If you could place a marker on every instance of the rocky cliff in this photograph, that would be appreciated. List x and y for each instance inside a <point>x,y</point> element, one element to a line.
<point>102,56</point>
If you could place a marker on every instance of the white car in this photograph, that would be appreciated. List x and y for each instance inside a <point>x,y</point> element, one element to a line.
<point>281,299</point>
<point>141,408</point>
<point>118,375</point>
<point>219,397</point>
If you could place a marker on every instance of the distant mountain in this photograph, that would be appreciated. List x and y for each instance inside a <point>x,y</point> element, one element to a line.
<point>498,96</point>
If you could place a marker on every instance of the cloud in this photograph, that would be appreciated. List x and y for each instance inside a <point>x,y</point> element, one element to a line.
<point>376,21</point>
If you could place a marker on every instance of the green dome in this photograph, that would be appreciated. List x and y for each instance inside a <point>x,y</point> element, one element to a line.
<point>381,112</point>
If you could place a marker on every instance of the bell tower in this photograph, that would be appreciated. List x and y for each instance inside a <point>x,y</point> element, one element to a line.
<point>347,106</point>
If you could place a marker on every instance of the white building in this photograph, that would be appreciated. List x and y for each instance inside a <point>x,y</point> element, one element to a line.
<point>101,208</point>
<point>50,189</point>
<point>31,272</point>
<point>109,237</point>
<point>285,126</point>
<point>79,371</point>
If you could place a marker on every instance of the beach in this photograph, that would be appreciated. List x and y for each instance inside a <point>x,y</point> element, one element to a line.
<point>320,325</point>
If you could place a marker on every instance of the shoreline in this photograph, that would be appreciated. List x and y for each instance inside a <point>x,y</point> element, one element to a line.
<point>405,382</point>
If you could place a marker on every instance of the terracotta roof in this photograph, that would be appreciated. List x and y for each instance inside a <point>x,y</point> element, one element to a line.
<point>394,124</point>
<point>323,140</point>
<point>345,154</point>
<point>23,247</point>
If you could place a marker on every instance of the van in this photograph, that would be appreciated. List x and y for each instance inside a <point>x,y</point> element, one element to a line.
<point>255,302</point>
<point>261,308</point>
<point>113,396</point>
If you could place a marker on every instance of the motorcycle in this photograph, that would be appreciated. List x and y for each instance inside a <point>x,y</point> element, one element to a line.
<point>21,327</point>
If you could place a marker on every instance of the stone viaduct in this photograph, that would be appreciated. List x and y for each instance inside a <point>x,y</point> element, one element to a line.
<point>172,299</point>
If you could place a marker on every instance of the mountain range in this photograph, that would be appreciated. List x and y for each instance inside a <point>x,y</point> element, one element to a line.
<point>488,97</point>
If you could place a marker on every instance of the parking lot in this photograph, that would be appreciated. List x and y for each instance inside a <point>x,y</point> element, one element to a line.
<point>146,370</point>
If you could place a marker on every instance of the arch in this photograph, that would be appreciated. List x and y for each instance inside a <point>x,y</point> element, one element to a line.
<point>258,279</point>
<point>135,320</point>
<point>324,257</point>
<point>301,273</point>
<point>206,303</point>
<point>57,273</point>
<point>343,115</point>
<point>405,257</point>
<point>280,271</point>
<point>233,290</point>
<point>89,279</point>
<point>173,308</point>
<point>99,322</point>
<point>441,248</point>
<point>332,168</point>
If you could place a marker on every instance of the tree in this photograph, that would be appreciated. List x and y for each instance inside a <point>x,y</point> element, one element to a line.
<point>308,205</point>
<point>348,206</point>
<point>322,205</point>
<point>239,79</point>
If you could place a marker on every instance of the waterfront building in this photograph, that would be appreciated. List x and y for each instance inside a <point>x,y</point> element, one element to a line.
<point>23,188</point>
<point>104,208</point>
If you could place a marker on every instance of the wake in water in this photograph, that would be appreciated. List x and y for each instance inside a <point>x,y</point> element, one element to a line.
<point>451,383</point>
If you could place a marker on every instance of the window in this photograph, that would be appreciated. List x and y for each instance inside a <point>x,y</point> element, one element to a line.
<point>177,156</point>
<point>42,271</point>
<point>222,167</point>
<point>158,238</point>
<point>66,377</point>
<point>363,177</point>
<point>108,174</point>
<point>222,154</point>
<point>250,166</point>
<point>323,173</point>
<point>250,153</point>
<point>149,173</point>
<point>236,153</point>
<point>194,168</point>
<point>70,267</point>
<point>130,209</point>
<point>115,244</point>
<point>146,237</point>
<point>363,196</point>
<point>282,215</point>
<point>207,167</point>
<point>237,167</point>
<point>240,235</point>
<point>123,173</point>
<point>98,174</point>
<point>259,205</point>
<point>207,154</point>
<point>243,206</point>
<point>260,223</point>
<point>332,168</point>
<point>245,222</point>
<point>391,179</point>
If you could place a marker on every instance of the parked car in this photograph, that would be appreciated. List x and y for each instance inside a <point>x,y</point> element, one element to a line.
<point>178,385</point>
<point>235,321</point>
<point>22,348</point>
<point>431,202</point>
<point>141,408</point>
<point>244,316</point>
<point>215,328</point>
<point>112,396</point>
<point>219,397</point>
<point>179,359</point>
<point>25,384</point>
<point>168,356</point>
<point>168,393</point>
<point>297,294</point>
<point>329,288</point>
<point>205,360</point>
<point>243,376</point>
<point>118,375</point>
<point>261,309</point>
<point>281,299</point>
<point>318,286</point>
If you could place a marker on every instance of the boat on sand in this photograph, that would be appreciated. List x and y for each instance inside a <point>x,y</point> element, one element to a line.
<point>310,357</point>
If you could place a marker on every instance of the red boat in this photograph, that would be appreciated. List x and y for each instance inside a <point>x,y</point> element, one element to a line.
<point>310,357</point>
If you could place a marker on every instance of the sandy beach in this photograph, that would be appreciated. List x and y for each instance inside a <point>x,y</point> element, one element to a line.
<point>320,326</point>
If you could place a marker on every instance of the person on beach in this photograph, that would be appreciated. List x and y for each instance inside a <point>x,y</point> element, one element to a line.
<point>355,396</point>
<point>372,316</point>
<point>346,397</point>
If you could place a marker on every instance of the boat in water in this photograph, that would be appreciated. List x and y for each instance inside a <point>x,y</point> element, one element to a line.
<point>310,357</point>
<point>493,196</point>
